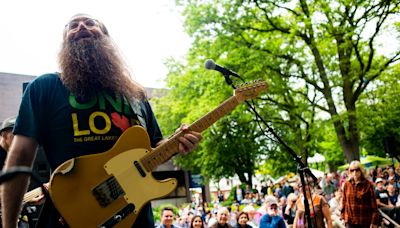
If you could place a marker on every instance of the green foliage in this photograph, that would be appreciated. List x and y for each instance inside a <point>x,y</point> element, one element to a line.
<point>317,61</point>
<point>379,113</point>
<point>329,145</point>
<point>231,197</point>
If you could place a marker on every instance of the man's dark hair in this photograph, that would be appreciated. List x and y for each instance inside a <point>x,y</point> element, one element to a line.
<point>167,209</point>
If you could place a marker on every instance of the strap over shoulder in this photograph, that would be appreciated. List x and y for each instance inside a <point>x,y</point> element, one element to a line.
<point>140,111</point>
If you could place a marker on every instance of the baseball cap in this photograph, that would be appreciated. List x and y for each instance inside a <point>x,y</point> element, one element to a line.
<point>378,180</point>
<point>269,200</point>
<point>8,123</point>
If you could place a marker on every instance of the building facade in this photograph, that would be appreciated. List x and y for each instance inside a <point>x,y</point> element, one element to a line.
<point>11,88</point>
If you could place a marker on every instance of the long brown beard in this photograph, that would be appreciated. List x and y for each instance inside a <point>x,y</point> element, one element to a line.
<point>92,65</point>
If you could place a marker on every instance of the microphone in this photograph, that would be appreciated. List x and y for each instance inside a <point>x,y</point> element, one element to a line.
<point>211,65</point>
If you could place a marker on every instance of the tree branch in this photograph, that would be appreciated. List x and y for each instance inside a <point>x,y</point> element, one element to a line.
<point>363,84</point>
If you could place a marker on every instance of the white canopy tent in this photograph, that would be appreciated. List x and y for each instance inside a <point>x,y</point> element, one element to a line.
<point>317,158</point>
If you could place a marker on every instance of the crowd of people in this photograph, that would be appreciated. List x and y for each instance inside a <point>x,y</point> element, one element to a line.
<point>350,198</point>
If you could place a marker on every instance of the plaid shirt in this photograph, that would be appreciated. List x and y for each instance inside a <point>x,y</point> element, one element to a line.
<point>359,203</point>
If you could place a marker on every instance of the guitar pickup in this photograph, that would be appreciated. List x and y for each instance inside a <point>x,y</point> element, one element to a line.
<point>139,168</point>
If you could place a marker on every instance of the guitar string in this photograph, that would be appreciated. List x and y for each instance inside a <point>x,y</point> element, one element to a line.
<point>114,188</point>
<point>154,159</point>
<point>32,194</point>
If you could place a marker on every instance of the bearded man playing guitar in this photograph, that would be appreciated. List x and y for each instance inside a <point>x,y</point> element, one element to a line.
<point>81,111</point>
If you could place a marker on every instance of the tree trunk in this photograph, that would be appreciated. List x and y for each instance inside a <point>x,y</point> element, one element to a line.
<point>242,178</point>
<point>350,144</point>
<point>250,175</point>
<point>351,151</point>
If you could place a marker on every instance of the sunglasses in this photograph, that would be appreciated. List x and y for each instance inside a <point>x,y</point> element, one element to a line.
<point>273,208</point>
<point>356,169</point>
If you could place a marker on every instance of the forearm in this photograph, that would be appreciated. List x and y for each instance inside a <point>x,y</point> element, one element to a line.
<point>287,209</point>
<point>374,208</point>
<point>327,215</point>
<point>12,195</point>
<point>295,221</point>
<point>329,222</point>
<point>382,204</point>
<point>21,153</point>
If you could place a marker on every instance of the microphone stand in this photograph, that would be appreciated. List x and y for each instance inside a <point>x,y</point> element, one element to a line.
<point>301,167</point>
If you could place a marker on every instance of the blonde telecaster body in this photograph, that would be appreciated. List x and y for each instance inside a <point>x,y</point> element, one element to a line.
<point>72,184</point>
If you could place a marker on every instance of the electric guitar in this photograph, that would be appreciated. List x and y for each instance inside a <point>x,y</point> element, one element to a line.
<point>32,194</point>
<point>109,189</point>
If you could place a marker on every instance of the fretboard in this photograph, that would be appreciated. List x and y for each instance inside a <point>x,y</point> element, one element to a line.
<point>169,148</point>
<point>32,194</point>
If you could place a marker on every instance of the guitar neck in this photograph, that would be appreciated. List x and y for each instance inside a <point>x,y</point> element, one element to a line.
<point>169,148</point>
<point>210,118</point>
<point>32,194</point>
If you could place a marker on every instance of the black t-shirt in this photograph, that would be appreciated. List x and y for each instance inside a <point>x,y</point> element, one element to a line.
<point>393,198</point>
<point>69,127</point>
<point>3,155</point>
<point>383,196</point>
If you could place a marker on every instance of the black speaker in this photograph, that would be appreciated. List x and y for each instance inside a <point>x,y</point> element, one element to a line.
<point>390,146</point>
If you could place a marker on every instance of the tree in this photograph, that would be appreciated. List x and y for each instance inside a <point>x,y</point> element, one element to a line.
<point>319,54</point>
<point>380,113</point>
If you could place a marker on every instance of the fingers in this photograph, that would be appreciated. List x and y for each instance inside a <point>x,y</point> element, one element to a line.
<point>38,200</point>
<point>183,127</point>
<point>189,141</point>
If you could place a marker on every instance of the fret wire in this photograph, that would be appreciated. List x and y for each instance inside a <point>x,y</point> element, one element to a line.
<point>159,158</point>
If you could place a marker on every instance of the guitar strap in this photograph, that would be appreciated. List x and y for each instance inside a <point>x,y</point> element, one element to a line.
<point>139,110</point>
<point>49,216</point>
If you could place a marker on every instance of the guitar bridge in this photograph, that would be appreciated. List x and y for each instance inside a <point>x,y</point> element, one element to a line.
<point>107,192</point>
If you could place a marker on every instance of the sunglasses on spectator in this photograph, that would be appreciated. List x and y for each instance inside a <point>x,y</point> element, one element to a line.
<point>273,207</point>
<point>356,169</point>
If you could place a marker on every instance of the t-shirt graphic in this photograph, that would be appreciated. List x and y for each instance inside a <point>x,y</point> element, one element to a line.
<point>102,117</point>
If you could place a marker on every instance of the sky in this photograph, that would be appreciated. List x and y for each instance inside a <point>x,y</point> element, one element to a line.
<point>146,32</point>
